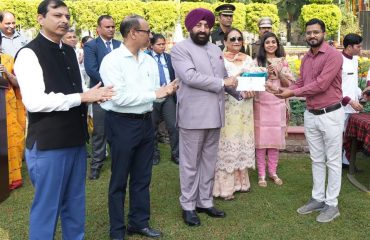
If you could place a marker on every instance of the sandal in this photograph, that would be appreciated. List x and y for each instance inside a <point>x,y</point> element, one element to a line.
<point>229,198</point>
<point>245,190</point>
<point>276,180</point>
<point>262,182</point>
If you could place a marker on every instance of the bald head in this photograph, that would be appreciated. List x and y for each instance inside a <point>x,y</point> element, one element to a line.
<point>7,23</point>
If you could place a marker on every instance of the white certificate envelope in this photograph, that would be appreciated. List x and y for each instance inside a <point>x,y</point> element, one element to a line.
<point>251,84</point>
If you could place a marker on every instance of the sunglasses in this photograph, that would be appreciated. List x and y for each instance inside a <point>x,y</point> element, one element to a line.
<point>233,39</point>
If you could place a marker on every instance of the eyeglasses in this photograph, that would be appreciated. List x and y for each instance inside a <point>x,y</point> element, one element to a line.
<point>145,31</point>
<point>315,33</point>
<point>233,39</point>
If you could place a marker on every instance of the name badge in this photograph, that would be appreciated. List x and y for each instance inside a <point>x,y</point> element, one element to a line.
<point>218,43</point>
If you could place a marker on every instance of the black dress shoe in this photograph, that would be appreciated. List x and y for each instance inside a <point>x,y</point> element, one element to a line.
<point>190,218</point>
<point>212,212</point>
<point>175,159</point>
<point>147,232</point>
<point>155,161</point>
<point>94,174</point>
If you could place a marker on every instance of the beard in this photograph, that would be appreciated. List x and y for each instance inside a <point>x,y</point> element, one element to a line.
<point>200,38</point>
<point>316,43</point>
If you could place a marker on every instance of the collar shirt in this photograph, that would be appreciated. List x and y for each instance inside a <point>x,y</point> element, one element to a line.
<point>350,82</point>
<point>11,45</point>
<point>106,43</point>
<point>134,80</point>
<point>163,62</point>
<point>320,78</point>
<point>31,81</point>
<point>79,54</point>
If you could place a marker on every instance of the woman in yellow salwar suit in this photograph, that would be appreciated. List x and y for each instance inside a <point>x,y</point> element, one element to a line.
<point>15,121</point>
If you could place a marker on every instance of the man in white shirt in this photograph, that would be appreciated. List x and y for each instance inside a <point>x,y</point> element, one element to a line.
<point>129,127</point>
<point>351,91</point>
<point>12,39</point>
<point>70,38</point>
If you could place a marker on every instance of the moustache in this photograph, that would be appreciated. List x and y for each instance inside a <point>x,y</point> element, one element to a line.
<point>65,26</point>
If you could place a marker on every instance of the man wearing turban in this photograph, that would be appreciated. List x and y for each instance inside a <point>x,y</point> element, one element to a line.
<point>199,66</point>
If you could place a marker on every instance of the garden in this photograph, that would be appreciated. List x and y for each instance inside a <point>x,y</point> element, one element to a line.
<point>264,213</point>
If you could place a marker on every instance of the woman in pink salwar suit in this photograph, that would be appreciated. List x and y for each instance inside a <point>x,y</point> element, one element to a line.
<point>270,112</point>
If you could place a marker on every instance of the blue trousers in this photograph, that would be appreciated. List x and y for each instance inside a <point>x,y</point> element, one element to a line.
<point>131,143</point>
<point>58,177</point>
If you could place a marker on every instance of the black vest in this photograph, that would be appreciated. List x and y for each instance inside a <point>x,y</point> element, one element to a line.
<point>57,129</point>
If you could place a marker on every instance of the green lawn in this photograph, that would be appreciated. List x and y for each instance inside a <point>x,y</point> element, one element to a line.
<point>264,213</point>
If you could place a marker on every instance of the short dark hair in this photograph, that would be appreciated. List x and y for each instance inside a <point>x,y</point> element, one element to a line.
<point>261,54</point>
<point>316,21</point>
<point>233,29</point>
<point>128,23</point>
<point>85,39</point>
<point>2,14</point>
<point>43,7</point>
<point>103,17</point>
<point>351,39</point>
<point>156,37</point>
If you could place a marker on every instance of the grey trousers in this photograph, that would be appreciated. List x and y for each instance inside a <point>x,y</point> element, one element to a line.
<point>198,156</point>
<point>98,138</point>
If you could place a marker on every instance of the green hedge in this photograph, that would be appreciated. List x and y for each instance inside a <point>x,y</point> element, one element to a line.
<point>321,1</point>
<point>329,13</point>
<point>25,11</point>
<point>162,16</point>
<point>255,11</point>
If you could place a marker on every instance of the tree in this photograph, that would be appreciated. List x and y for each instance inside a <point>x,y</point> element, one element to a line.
<point>289,11</point>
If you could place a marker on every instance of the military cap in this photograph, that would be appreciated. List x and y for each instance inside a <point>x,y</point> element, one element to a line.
<point>225,9</point>
<point>265,22</point>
